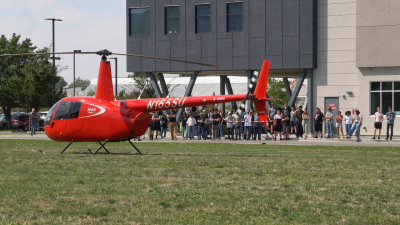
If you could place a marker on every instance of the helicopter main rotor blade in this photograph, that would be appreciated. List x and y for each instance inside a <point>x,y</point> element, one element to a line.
<point>174,60</point>
<point>48,53</point>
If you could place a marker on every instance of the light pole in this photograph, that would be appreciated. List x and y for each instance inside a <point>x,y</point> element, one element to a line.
<point>75,51</point>
<point>116,76</point>
<point>54,59</point>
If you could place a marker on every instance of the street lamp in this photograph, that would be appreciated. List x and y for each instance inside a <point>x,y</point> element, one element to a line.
<point>54,59</point>
<point>75,51</point>
<point>116,76</point>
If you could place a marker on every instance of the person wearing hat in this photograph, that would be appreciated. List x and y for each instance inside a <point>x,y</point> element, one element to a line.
<point>329,124</point>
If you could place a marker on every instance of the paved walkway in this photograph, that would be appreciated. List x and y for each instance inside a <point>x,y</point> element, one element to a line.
<point>311,141</point>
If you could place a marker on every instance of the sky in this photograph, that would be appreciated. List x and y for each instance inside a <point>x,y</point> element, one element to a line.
<point>88,25</point>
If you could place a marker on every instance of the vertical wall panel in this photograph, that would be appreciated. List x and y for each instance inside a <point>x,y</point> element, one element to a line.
<point>224,54</point>
<point>193,48</point>
<point>291,18</point>
<point>257,52</point>
<point>291,53</point>
<point>257,18</point>
<point>274,29</point>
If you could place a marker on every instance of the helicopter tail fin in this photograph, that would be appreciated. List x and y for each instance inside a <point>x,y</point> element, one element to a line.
<point>261,92</point>
<point>104,83</point>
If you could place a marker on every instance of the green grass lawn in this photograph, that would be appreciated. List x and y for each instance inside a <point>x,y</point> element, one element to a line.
<point>198,183</point>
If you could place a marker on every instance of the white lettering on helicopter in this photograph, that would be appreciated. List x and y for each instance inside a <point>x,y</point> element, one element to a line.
<point>91,110</point>
<point>166,103</point>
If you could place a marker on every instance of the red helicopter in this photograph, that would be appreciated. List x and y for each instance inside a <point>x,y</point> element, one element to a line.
<point>104,119</point>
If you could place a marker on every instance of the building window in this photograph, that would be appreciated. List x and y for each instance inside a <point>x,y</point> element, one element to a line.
<point>385,95</point>
<point>235,17</point>
<point>140,21</point>
<point>172,20</point>
<point>203,18</point>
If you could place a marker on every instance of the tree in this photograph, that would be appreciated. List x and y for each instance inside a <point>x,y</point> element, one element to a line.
<point>276,89</point>
<point>142,82</point>
<point>25,81</point>
<point>60,87</point>
<point>80,83</point>
<point>91,92</point>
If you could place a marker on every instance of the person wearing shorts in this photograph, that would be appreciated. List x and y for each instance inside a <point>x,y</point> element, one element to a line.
<point>286,124</point>
<point>318,121</point>
<point>277,124</point>
<point>339,124</point>
<point>378,122</point>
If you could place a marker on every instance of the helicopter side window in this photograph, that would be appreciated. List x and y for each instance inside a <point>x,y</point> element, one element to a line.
<point>75,110</point>
<point>63,111</point>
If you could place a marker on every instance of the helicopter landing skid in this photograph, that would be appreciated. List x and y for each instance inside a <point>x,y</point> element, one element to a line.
<point>135,147</point>
<point>102,146</point>
<point>67,146</point>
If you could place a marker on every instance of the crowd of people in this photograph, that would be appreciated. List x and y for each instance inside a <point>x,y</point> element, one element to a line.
<point>247,125</point>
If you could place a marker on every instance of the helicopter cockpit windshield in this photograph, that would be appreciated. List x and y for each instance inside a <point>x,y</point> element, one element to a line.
<point>66,110</point>
<point>50,114</point>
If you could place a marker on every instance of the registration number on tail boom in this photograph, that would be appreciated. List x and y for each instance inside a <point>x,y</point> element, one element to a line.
<point>166,103</point>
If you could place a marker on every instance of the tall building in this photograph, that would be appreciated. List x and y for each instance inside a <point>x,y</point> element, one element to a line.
<point>348,50</point>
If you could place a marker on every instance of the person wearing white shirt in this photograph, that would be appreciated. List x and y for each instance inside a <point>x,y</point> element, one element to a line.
<point>357,125</point>
<point>247,126</point>
<point>191,122</point>
<point>349,121</point>
<point>378,122</point>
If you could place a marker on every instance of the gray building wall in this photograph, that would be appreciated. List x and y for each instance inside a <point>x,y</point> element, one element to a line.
<point>378,33</point>
<point>282,31</point>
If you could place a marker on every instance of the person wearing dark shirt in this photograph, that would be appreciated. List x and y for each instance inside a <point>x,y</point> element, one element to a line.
<point>34,119</point>
<point>286,109</point>
<point>172,124</point>
<point>157,124</point>
<point>200,127</point>
<point>318,121</point>
<point>184,126</point>
<point>286,124</point>
<point>216,118</point>
<point>164,125</point>
<point>299,122</point>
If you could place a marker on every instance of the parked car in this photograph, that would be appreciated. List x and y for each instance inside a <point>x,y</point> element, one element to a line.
<point>43,114</point>
<point>20,121</point>
<point>3,122</point>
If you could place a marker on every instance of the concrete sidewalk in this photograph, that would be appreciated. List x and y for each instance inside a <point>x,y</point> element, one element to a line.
<point>311,141</point>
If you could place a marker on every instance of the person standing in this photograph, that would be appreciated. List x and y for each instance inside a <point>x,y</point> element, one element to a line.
<point>230,126</point>
<point>305,118</point>
<point>184,126</point>
<point>286,109</point>
<point>378,122</point>
<point>200,127</point>
<point>247,126</point>
<point>299,122</point>
<point>191,122</point>
<point>286,124</point>
<point>339,124</point>
<point>278,124</point>
<point>157,124</point>
<point>357,125</point>
<point>238,125</point>
<point>172,124</point>
<point>390,117</point>
<point>258,127</point>
<point>318,121</point>
<point>33,118</point>
<point>271,115</point>
<point>222,124</point>
<point>293,120</point>
<point>329,125</point>
<point>349,121</point>
<point>164,126</point>
<point>216,118</point>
